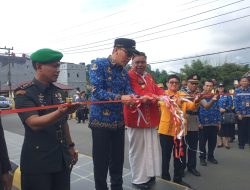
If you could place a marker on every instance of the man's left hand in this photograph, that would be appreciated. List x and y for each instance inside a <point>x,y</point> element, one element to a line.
<point>69,109</point>
<point>74,155</point>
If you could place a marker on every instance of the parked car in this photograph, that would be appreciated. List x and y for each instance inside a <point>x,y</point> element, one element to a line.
<point>5,103</point>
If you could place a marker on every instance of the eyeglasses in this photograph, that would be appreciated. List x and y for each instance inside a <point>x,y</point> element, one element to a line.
<point>128,53</point>
<point>139,62</point>
<point>174,82</point>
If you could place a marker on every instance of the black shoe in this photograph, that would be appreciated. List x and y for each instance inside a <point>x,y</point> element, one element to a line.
<point>151,181</point>
<point>183,183</point>
<point>212,160</point>
<point>203,162</point>
<point>168,178</point>
<point>194,172</point>
<point>241,147</point>
<point>143,186</point>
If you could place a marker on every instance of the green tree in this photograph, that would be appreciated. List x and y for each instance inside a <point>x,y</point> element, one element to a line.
<point>225,73</point>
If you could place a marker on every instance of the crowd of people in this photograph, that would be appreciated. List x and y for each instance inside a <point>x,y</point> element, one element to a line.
<point>159,122</point>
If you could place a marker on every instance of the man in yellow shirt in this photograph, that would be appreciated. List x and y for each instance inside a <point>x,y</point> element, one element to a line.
<point>168,129</point>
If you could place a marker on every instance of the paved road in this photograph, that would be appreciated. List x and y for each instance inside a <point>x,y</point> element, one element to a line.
<point>231,173</point>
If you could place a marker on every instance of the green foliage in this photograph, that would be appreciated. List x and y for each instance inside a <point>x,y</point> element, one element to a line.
<point>158,76</point>
<point>226,73</point>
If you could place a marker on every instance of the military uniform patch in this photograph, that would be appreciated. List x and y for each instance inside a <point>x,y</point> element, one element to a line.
<point>41,99</point>
<point>59,97</point>
<point>26,85</point>
<point>20,92</point>
<point>21,89</point>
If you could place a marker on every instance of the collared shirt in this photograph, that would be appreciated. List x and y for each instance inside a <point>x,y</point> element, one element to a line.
<point>242,101</point>
<point>108,82</point>
<point>44,150</point>
<point>226,102</point>
<point>167,125</point>
<point>148,114</point>
<point>192,116</point>
<point>210,116</point>
<point>38,94</point>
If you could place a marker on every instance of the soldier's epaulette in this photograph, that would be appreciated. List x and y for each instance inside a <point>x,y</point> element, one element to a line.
<point>25,85</point>
<point>21,90</point>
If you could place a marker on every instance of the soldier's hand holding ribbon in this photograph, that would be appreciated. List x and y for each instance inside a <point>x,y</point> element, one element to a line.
<point>68,109</point>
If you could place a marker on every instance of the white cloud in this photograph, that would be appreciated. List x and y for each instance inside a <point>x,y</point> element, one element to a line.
<point>28,25</point>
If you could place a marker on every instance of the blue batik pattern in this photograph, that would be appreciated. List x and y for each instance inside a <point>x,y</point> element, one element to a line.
<point>210,116</point>
<point>242,101</point>
<point>108,81</point>
<point>226,102</point>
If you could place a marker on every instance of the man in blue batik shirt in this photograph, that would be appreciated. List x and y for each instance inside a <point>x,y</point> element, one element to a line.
<point>209,118</point>
<point>242,109</point>
<point>109,81</point>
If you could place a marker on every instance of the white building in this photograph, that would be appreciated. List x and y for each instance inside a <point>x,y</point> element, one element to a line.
<point>21,70</point>
<point>73,75</point>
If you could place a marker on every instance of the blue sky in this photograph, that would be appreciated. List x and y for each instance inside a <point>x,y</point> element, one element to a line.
<point>85,29</point>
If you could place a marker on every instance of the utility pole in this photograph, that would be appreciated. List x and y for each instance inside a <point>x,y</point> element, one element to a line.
<point>9,71</point>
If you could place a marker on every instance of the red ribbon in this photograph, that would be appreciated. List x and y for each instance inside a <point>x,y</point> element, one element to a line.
<point>19,110</point>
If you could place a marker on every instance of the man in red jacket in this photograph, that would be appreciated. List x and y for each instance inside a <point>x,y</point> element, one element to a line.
<point>142,121</point>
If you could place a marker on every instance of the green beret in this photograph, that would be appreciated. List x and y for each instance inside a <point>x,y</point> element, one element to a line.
<point>46,56</point>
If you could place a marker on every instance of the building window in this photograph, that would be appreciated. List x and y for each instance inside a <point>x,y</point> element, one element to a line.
<point>68,74</point>
<point>77,75</point>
